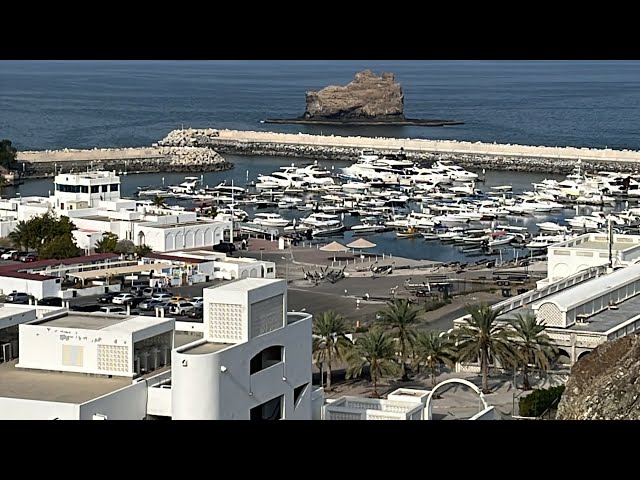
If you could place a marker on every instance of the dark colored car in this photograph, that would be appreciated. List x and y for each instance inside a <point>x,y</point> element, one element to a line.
<point>18,297</point>
<point>135,301</point>
<point>50,302</point>
<point>17,255</point>
<point>195,313</point>
<point>423,293</point>
<point>224,247</point>
<point>29,257</point>
<point>149,304</point>
<point>106,298</point>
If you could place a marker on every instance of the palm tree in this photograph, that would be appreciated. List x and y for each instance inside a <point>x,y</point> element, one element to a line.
<point>484,337</point>
<point>434,349</point>
<point>376,350</point>
<point>329,340</point>
<point>158,201</point>
<point>19,236</point>
<point>401,317</point>
<point>533,345</point>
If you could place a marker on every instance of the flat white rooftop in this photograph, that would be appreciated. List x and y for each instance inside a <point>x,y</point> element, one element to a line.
<point>247,283</point>
<point>205,348</point>
<point>55,386</point>
<point>100,321</point>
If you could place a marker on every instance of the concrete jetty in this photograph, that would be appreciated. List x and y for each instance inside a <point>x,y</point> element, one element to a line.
<point>37,164</point>
<point>469,154</point>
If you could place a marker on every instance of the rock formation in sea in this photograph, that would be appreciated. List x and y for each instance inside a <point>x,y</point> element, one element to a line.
<point>605,385</point>
<point>366,97</point>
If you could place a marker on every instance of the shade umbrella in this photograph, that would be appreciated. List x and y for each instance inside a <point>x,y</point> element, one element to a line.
<point>361,243</point>
<point>334,247</point>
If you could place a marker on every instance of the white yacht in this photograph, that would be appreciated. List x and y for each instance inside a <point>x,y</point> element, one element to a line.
<point>455,172</point>
<point>270,220</point>
<point>189,186</point>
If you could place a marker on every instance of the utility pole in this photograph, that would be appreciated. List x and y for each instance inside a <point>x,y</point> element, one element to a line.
<point>610,242</point>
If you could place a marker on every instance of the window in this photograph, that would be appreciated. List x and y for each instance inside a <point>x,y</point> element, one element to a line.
<point>269,269</point>
<point>114,187</point>
<point>266,358</point>
<point>104,188</point>
<point>84,189</point>
<point>95,189</point>
<point>271,410</point>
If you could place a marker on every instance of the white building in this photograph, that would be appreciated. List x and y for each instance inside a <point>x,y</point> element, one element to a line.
<point>254,361</point>
<point>185,267</point>
<point>587,307</point>
<point>92,201</point>
<point>74,191</point>
<point>590,250</point>
<point>249,359</point>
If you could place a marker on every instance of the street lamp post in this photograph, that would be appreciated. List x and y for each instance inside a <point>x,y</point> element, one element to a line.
<point>287,268</point>
<point>321,374</point>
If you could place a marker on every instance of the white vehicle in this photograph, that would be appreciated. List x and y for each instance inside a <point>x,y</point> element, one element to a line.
<point>181,308</point>
<point>122,298</point>
<point>7,255</point>
<point>161,297</point>
<point>197,301</point>
<point>112,310</point>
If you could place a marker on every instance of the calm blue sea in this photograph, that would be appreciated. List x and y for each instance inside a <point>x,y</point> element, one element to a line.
<point>86,104</point>
<point>57,104</point>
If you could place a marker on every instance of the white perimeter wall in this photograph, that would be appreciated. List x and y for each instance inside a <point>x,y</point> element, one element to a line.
<point>128,403</point>
<point>38,288</point>
<point>21,409</point>
<point>200,391</point>
<point>7,227</point>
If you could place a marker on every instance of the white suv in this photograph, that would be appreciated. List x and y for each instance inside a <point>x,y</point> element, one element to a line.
<point>7,255</point>
<point>181,308</point>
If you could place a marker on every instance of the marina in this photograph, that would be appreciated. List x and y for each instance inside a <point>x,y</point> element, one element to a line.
<point>436,211</point>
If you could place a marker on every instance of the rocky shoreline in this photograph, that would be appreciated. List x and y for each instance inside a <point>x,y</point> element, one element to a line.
<point>131,160</point>
<point>212,139</point>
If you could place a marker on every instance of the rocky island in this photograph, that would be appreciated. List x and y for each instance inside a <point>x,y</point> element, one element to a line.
<point>367,100</point>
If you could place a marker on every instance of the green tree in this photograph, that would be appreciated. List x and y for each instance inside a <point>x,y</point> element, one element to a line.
<point>8,155</point>
<point>401,317</point>
<point>39,230</point>
<point>125,246</point>
<point>486,339</point>
<point>142,250</point>
<point>533,345</point>
<point>59,248</point>
<point>107,244</point>
<point>433,349</point>
<point>158,201</point>
<point>376,350</point>
<point>329,340</point>
<point>3,182</point>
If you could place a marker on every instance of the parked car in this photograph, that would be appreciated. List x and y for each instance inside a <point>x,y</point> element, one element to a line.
<point>224,247</point>
<point>50,302</point>
<point>423,293</point>
<point>151,304</point>
<point>177,299</point>
<point>181,308</point>
<point>197,301</point>
<point>161,296</point>
<point>17,255</point>
<point>196,312</point>
<point>30,257</point>
<point>134,301</point>
<point>149,291</point>
<point>122,298</point>
<point>8,255</point>
<point>18,297</point>
<point>107,297</point>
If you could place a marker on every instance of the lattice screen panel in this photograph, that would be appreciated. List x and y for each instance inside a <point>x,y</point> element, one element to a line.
<point>113,358</point>
<point>225,322</point>
<point>551,315</point>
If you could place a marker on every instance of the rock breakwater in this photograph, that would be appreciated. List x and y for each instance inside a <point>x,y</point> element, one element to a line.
<point>132,160</point>
<point>560,160</point>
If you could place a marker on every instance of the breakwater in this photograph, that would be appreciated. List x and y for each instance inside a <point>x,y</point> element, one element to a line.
<point>468,154</point>
<point>42,164</point>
